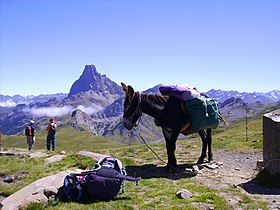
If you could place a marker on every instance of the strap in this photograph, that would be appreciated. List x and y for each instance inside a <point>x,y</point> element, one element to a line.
<point>128,178</point>
<point>108,172</point>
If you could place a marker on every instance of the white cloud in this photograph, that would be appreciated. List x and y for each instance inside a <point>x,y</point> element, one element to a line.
<point>8,103</point>
<point>59,111</point>
<point>89,110</point>
<point>50,111</point>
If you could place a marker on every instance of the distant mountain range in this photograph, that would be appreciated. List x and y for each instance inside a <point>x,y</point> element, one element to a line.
<point>95,104</point>
<point>220,95</point>
<point>265,98</point>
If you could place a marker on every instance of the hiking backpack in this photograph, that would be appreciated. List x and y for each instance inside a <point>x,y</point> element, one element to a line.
<point>203,113</point>
<point>52,130</point>
<point>103,182</point>
<point>28,131</point>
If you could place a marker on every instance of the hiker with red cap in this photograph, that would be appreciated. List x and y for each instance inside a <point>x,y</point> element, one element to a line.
<point>30,134</point>
<point>51,137</point>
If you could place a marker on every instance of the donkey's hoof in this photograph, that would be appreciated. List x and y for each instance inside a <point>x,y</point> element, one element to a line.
<point>170,167</point>
<point>200,161</point>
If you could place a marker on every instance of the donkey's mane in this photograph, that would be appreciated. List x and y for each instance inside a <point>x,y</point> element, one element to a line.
<point>154,98</point>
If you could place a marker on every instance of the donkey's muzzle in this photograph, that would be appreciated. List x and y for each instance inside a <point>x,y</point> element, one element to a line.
<point>127,124</point>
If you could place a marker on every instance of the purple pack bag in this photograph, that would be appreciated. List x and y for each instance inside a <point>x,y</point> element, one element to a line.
<point>103,182</point>
<point>183,93</point>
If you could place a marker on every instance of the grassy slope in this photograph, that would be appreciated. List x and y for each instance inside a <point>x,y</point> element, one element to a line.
<point>68,139</point>
<point>152,193</point>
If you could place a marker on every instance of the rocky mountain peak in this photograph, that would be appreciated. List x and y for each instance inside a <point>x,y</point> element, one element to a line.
<point>233,102</point>
<point>91,80</point>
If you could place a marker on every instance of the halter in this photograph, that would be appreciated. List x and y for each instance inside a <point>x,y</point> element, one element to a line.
<point>128,120</point>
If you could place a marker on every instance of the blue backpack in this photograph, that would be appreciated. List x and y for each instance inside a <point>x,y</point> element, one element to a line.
<point>103,182</point>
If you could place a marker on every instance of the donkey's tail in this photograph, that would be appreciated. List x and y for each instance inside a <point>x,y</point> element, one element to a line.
<point>221,118</point>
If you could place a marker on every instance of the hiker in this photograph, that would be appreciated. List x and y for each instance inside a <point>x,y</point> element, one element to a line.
<point>51,137</point>
<point>30,134</point>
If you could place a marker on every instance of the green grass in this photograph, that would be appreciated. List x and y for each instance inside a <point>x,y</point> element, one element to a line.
<point>68,139</point>
<point>234,137</point>
<point>152,192</point>
<point>31,169</point>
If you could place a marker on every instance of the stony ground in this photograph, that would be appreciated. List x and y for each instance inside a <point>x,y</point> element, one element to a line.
<point>238,170</point>
<point>228,170</point>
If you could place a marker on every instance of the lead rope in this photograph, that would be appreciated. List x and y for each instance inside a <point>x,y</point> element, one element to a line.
<point>154,151</point>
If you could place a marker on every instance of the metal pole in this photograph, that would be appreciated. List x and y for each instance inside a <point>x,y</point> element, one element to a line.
<point>246,109</point>
<point>0,141</point>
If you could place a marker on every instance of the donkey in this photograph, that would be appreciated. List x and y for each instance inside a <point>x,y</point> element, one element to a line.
<point>168,113</point>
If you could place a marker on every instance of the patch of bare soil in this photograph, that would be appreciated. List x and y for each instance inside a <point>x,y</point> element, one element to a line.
<point>238,170</point>
<point>231,173</point>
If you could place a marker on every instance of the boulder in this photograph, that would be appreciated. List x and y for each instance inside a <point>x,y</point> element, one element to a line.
<point>54,158</point>
<point>94,156</point>
<point>8,178</point>
<point>37,192</point>
<point>271,142</point>
<point>184,194</point>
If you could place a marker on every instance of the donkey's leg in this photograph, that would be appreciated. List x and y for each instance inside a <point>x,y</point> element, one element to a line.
<point>170,141</point>
<point>209,143</point>
<point>203,137</point>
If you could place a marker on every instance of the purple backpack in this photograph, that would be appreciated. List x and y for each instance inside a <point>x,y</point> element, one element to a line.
<point>103,182</point>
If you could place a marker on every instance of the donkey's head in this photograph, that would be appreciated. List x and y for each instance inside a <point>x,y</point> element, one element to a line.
<point>131,105</point>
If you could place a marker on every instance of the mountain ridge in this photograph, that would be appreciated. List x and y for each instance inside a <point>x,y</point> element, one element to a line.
<point>95,104</point>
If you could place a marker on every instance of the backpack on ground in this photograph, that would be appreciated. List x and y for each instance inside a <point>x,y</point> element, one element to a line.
<point>103,182</point>
<point>52,130</point>
<point>28,131</point>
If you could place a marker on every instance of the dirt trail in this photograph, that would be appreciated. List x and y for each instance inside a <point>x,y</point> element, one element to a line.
<point>238,170</point>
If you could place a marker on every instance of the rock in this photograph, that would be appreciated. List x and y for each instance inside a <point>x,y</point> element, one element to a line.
<point>2,153</point>
<point>63,153</point>
<point>50,191</point>
<point>38,155</point>
<point>54,158</point>
<point>184,194</point>
<point>256,140</point>
<point>219,163</point>
<point>35,192</point>
<point>195,169</point>
<point>271,142</point>
<point>211,165</point>
<point>94,156</point>
<point>189,170</point>
<point>38,197</point>
<point>259,164</point>
<point>8,178</point>
<point>235,185</point>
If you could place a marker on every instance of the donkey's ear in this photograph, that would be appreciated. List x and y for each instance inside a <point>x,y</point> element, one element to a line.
<point>124,87</point>
<point>130,93</point>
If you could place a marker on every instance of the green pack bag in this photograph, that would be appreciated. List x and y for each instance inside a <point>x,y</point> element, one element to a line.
<point>203,113</point>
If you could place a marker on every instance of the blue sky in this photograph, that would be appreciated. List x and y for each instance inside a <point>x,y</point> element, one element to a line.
<point>220,44</point>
